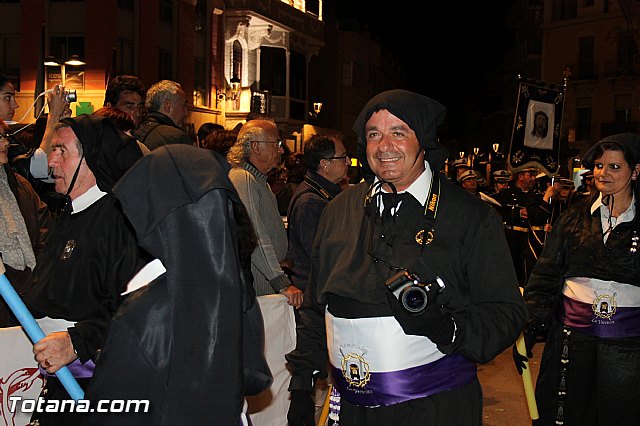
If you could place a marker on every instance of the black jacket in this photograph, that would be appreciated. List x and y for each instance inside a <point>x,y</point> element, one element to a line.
<point>158,129</point>
<point>575,249</point>
<point>468,251</point>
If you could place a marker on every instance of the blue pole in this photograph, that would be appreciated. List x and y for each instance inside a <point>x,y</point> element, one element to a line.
<point>35,333</point>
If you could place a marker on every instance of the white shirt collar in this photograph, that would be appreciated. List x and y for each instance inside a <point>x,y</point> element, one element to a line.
<point>83,201</point>
<point>420,187</point>
<point>627,216</point>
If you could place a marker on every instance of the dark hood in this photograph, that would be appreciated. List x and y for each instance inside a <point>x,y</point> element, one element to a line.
<point>168,178</point>
<point>109,153</point>
<point>422,114</point>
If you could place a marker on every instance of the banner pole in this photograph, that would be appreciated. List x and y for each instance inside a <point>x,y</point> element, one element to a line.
<point>35,333</point>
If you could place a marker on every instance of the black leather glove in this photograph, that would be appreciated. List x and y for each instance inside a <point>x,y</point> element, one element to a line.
<point>302,409</point>
<point>518,359</point>
<point>430,322</point>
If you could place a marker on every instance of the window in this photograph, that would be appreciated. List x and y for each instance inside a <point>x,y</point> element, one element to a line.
<point>565,9</point>
<point>585,58</point>
<point>165,71</point>
<point>622,108</point>
<point>583,119</point>
<point>200,80</point>
<point>273,70</point>
<point>236,60</point>
<point>125,57</point>
<point>126,4</point>
<point>62,47</point>
<point>313,7</point>
<point>166,10</point>
<point>298,76</point>
<point>626,52</point>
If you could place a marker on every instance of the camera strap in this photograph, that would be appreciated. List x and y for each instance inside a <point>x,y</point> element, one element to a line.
<point>426,234</point>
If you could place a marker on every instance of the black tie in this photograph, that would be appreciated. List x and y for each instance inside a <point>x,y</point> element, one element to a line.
<point>391,201</point>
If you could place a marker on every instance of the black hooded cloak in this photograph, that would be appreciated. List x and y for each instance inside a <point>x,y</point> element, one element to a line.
<point>191,340</point>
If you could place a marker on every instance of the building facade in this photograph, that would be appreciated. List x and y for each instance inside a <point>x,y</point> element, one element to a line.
<point>232,56</point>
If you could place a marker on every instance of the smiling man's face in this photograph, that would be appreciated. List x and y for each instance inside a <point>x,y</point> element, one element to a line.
<point>393,150</point>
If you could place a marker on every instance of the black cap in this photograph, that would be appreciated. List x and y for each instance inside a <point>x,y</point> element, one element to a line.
<point>422,114</point>
<point>628,142</point>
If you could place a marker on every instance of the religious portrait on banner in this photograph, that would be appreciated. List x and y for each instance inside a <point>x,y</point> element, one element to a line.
<point>535,138</point>
<point>540,125</point>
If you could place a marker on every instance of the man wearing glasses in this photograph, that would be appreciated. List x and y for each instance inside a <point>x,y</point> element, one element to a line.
<point>327,164</point>
<point>256,152</point>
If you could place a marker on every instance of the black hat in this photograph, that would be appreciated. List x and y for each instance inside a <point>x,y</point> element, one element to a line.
<point>422,114</point>
<point>108,152</point>
<point>628,142</point>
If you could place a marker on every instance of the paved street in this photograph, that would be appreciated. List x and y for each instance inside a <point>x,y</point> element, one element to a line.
<point>504,400</point>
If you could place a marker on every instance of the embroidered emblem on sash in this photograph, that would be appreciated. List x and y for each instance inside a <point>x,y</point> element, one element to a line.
<point>604,305</point>
<point>355,369</point>
<point>420,236</point>
<point>68,249</point>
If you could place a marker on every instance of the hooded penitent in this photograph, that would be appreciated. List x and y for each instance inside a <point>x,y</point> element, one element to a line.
<point>409,107</point>
<point>109,153</point>
<point>191,340</point>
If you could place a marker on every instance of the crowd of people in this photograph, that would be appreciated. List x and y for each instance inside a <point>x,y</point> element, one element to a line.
<point>147,247</point>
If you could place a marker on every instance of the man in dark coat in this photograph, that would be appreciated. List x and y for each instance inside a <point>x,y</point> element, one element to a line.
<point>410,362</point>
<point>525,212</point>
<point>91,254</point>
<point>182,342</point>
<point>166,104</point>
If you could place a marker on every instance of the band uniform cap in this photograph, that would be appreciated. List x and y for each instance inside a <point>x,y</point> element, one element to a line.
<point>586,174</point>
<point>460,162</point>
<point>530,169</point>
<point>566,182</point>
<point>468,174</point>
<point>501,175</point>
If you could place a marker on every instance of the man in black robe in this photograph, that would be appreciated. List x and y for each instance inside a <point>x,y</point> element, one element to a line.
<point>390,366</point>
<point>190,341</point>
<point>90,256</point>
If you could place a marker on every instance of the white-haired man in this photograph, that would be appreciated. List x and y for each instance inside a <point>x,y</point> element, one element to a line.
<point>167,106</point>
<point>256,152</point>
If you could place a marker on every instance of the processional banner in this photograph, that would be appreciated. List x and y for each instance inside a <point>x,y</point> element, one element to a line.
<point>535,138</point>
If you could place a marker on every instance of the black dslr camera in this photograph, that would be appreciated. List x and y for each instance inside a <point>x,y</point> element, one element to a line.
<point>412,293</point>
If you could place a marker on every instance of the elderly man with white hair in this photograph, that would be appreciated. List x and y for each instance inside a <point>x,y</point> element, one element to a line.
<point>167,106</point>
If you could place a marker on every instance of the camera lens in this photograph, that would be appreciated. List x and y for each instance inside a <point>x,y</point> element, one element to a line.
<point>71,96</point>
<point>414,299</point>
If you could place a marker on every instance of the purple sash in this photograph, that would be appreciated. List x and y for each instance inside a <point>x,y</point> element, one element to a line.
<point>604,321</point>
<point>392,387</point>
<point>77,368</point>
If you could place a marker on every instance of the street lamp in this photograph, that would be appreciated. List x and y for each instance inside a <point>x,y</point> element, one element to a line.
<point>231,92</point>
<point>76,78</point>
<point>317,107</point>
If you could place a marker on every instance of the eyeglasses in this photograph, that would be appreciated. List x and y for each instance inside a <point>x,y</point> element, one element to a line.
<point>279,142</point>
<point>342,157</point>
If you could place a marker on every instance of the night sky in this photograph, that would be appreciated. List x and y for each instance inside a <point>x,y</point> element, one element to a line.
<point>458,42</point>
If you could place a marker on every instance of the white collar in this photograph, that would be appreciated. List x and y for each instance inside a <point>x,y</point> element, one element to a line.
<point>597,204</point>
<point>85,200</point>
<point>421,186</point>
